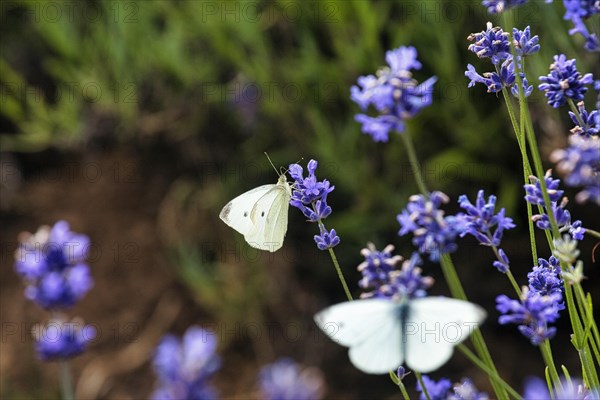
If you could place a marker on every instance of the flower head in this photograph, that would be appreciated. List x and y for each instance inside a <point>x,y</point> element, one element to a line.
<point>498,6</point>
<point>580,165</point>
<point>577,11</point>
<point>310,197</point>
<point>493,43</point>
<point>564,82</point>
<point>184,367</point>
<point>52,263</point>
<point>284,380</point>
<point>572,389</point>
<point>393,93</point>
<point>525,45</point>
<point>590,122</point>
<point>466,390</point>
<point>562,216</point>
<point>433,233</point>
<point>60,340</point>
<point>532,313</point>
<point>545,277</point>
<point>386,281</point>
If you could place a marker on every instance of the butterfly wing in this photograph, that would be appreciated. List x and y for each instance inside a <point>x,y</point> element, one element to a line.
<point>237,213</point>
<point>372,330</point>
<point>434,325</point>
<point>270,217</point>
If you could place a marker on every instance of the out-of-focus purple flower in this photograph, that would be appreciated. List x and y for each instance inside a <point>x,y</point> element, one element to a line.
<point>385,281</point>
<point>533,314</point>
<point>572,389</point>
<point>577,11</point>
<point>433,233</point>
<point>436,390</point>
<point>498,6</point>
<point>52,263</point>
<point>590,122</point>
<point>184,367</point>
<point>580,165</point>
<point>533,195</point>
<point>466,390</point>
<point>60,340</point>
<point>564,82</point>
<point>545,277</point>
<point>284,380</point>
<point>393,92</point>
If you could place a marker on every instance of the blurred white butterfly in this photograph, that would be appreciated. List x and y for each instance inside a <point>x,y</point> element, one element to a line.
<point>261,214</point>
<point>382,334</point>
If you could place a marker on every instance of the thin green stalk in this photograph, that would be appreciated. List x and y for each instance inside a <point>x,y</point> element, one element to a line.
<point>414,163</point>
<point>66,380</point>
<point>492,374</point>
<point>549,361</point>
<point>400,384</point>
<point>340,274</point>
<point>423,387</point>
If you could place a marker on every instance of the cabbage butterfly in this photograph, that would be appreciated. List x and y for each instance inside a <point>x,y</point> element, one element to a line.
<point>382,334</point>
<point>261,214</point>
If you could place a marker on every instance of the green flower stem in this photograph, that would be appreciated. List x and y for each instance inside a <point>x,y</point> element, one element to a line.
<point>400,384</point>
<point>414,163</point>
<point>492,374</point>
<point>592,232</point>
<point>336,264</point>
<point>508,274</point>
<point>66,380</point>
<point>590,317</point>
<point>518,129</point>
<point>423,387</point>
<point>340,274</point>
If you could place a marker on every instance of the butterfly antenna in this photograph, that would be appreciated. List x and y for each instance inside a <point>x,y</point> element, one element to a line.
<point>272,165</point>
<point>285,171</point>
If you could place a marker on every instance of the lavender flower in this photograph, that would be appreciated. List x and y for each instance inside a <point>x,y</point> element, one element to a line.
<point>564,82</point>
<point>545,277</point>
<point>310,196</point>
<point>466,390</point>
<point>577,11</point>
<point>580,165</point>
<point>498,6</point>
<point>60,340</point>
<point>433,233</point>
<point>532,313</point>
<point>52,263</point>
<point>394,93</point>
<point>482,222</point>
<point>436,390</point>
<point>494,43</point>
<point>572,389</point>
<point>561,214</point>
<point>283,380</point>
<point>380,274</point>
<point>525,45</point>
<point>184,367</point>
<point>590,122</point>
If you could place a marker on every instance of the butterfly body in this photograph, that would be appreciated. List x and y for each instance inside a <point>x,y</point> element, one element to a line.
<point>382,335</point>
<point>261,214</point>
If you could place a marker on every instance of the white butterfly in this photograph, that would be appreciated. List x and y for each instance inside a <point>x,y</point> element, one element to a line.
<point>261,214</point>
<point>382,334</point>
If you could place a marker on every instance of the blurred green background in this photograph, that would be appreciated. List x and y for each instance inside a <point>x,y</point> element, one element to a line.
<point>136,121</point>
